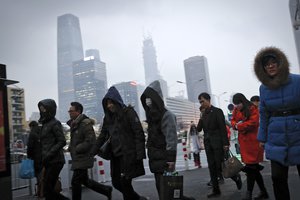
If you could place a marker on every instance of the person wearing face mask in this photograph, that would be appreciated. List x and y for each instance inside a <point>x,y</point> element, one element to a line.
<point>162,134</point>
<point>127,139</point>
<point>245,119</point>
<point>279,130</point>
<point>52,143</point>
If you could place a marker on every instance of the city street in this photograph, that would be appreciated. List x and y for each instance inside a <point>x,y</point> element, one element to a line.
<point>195,182</point>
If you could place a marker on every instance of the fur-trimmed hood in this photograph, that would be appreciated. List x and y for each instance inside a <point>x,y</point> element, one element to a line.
<point>283,68</point>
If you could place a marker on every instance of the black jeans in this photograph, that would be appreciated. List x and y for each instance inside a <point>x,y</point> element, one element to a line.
<point>80,176</point>
<point>50,178</point>
<point>280,181</point>
<point>120,182</point>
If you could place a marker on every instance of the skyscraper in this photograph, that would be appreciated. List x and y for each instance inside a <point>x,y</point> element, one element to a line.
<point>129,93</point>
<point>197,77</point>
<point>69,49</point>
<point>90,84</point>
<point>150,61</point>
<point>150,65</point>
<point>295,18</point>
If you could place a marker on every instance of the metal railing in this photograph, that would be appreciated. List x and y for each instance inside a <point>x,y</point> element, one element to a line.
<point>20,187</point>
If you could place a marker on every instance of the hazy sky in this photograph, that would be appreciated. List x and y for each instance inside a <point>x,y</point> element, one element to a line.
<point>228,33</point>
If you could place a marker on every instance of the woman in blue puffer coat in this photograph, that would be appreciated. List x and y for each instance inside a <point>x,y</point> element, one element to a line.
<point>279,130</point>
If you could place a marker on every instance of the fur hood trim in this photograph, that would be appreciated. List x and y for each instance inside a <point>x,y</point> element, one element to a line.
<point>283,68</point>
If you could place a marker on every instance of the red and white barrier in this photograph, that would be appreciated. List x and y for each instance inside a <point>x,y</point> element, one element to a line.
<point>185,154</point>
<point>101,170</point>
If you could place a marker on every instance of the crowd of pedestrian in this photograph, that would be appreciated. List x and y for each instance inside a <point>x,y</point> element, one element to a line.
<point>267,123</point>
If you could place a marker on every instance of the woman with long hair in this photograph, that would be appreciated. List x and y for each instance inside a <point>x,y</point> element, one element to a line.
<point>245,119</point>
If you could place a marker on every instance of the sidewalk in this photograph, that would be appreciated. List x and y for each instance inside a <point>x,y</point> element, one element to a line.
<point>195,181</point>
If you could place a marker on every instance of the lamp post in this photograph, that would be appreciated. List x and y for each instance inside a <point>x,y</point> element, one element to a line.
<point>218,98</point>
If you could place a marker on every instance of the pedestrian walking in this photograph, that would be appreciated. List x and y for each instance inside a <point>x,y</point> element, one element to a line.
<point>196,146</point>
<point>255,100</point>
<point>127,139</point>
<point>245,119</point>
<point>81,146</point>
<point>52,141</point>
<point>162,133</point>
<point>279,130</point>
<point>34,148</point>
<point>216,143</point>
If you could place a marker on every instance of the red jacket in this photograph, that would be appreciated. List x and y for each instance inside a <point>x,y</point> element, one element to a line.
<point>251,152</point>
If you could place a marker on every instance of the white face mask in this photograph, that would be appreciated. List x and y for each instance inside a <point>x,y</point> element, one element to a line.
<point>148,102</point>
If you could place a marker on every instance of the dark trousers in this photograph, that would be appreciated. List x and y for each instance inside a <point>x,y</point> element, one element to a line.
<point>80,176</point>
<point>280,181</point>
<point>120,182</point>
<point>254,175</point>
<point>157,177</point>
<point>50,178</point>
<point>215,156</point>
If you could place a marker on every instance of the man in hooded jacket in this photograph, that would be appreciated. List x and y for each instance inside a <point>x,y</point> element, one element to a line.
<point>52,141</point>
<point>82,139</point>
<point>122,125</point>
<point>162,133</point>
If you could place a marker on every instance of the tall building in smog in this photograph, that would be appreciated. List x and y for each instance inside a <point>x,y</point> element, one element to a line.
<point>197,77</point>
<point>69,49</point>
<point>151,67</point>
<point>90,84</point>
<point>129,93</point>
<point>295,18</point>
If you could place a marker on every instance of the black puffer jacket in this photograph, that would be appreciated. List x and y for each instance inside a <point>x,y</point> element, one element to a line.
<point>82,140</point>
<point>52,136</point>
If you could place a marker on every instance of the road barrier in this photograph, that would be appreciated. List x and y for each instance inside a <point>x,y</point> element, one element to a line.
<point>101,170</point>
<point>20,187</point>
<point>185,154</point>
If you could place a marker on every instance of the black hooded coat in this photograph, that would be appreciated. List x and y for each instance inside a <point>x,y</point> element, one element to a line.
<point>162,133</point>
<point>52,136</point>
<point>128,134</point>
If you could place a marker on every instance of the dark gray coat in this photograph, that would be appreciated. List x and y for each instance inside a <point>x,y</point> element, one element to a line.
<point>82,140</point>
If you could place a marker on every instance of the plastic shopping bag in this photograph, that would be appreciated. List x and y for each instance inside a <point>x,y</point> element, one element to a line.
<point>26,169</point>
<point>171,186</point>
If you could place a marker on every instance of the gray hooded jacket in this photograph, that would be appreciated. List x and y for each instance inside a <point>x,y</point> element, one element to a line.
<point>162,137</point>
